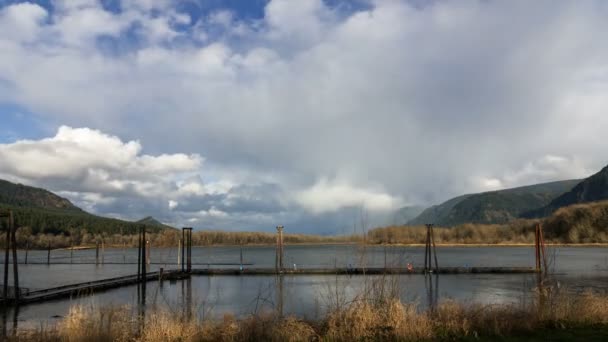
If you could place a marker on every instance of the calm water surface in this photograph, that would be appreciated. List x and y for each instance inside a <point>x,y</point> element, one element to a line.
<point>302,295</point>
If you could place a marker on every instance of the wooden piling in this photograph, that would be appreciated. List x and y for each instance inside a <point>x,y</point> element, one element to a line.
<point>183,248</point>
<point>27,249</point>
<point>148,252</point>
<point>12,227</point>
<point>188,245</point>
<point>179,251</point>
<point>279,250</point>
<point>96,252</point>
<point>430,249</point>
<point>6,256</point>
<point>143,254</point>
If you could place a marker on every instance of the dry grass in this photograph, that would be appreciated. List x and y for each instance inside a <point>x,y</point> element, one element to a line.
<point>364,319</point>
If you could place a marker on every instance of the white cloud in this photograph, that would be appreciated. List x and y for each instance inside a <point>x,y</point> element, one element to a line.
<point>330,196</point>
<point>427,101</point>
<point>94,161</point>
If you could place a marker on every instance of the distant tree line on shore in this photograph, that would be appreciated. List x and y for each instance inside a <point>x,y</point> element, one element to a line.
<point>583,223</point>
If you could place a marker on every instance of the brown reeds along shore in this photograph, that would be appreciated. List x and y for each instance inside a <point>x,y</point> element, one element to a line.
<point>562,316</point>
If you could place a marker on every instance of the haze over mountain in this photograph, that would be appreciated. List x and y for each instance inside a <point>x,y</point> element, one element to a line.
<point>242,115</point>
<point>493,206</point>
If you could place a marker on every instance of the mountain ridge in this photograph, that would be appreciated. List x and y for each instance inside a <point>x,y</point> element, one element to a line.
<point>491,207</point>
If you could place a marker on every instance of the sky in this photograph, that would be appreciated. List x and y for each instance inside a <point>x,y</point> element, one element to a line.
<point>312,114</point>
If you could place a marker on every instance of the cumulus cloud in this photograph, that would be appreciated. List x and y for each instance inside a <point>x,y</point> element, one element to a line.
<point>94,160</point>
<point>317,99</point>
<point>329,196</point>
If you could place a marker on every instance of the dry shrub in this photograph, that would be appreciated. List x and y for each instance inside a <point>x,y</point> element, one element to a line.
<point>162,326</point>
<point>365,321</point>
<point>97,324</point>
<point>292,329</point>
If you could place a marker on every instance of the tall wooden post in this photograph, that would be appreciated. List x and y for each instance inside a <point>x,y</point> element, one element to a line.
<point>96,252</point>
<point>143,254</point>
<point>27,248</point>
<point>139,255</point>
<point>539,249</point>
<point>11,244</point>
<point>188,232</point>
<point>183,249</point>
<point>148,252</point>
<point>11,225</point>
<point>279,250</point>
<point>430,249</point>
<point>179,252</point>
<point>6,256</point>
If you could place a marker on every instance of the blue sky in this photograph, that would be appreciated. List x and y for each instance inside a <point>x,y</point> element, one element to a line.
<point>247,114</point>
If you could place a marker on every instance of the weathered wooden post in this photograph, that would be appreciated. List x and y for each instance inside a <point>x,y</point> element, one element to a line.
<point>539,249</point>
<point>189,246</point>
<point>430,249</point>
<point>139,255</point>
<point>48,254</point>
<point>179,251</point>
<point>96,252</point>
<point>143,254</point>
<point>241,256</point>
<point>279,250</point>
<point>183,249</point>
<point>6,256</point>
<point>27,248</point>
<point>11,244</point>
<point>148,252</point>
<point>11,224</point>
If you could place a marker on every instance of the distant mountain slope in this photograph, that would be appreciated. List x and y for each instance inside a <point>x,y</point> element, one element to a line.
<point>26,196</point>
<point>406,214</point>
<point>494,206</point>
<point>152,222</point>
<point>45,212</point>
<point>591,189</point>
<point>437,213</point>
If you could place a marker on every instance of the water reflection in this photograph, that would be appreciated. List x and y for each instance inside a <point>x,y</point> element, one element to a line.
<point>432,292</point>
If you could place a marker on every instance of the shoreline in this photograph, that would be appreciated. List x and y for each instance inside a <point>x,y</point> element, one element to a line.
<point>313,244</point>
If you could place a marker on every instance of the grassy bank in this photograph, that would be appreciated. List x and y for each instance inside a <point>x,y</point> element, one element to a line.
<point>582,316</point>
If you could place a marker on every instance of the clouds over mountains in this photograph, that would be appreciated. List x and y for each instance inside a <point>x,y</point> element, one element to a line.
<point>304,111</point>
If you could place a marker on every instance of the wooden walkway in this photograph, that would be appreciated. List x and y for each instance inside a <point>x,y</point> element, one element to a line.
<point>362,271</point>
<point>75,290</point>
<point>87,288</point>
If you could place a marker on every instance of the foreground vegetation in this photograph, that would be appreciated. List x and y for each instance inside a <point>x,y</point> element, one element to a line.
<point>364,319</point>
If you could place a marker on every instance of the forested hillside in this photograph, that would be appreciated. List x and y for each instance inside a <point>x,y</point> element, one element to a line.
<point>44,212</point>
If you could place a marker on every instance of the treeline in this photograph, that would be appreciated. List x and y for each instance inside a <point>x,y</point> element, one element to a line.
<point>62,222</point>
<point>166,238</point>
<point>581,223</point>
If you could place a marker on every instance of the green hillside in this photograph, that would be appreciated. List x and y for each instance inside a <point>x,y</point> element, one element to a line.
<point>591,189</point>
<point>494,206</point>
<point>45,212</point>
